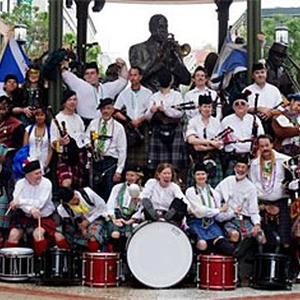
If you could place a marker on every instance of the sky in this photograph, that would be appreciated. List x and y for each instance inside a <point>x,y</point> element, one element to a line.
<point>121,25</point>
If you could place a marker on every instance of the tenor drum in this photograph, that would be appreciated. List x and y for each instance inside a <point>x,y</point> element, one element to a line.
<point>101,269</point>
<point>216,272</point>
<point>17,264</point>
<point>61,267</point>
<point>159,254</point>
<point>271,271</point>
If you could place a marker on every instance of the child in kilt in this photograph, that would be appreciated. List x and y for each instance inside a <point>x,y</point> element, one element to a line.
<point>122,206</point>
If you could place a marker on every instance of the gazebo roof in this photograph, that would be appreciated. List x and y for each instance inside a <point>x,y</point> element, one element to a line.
<point>167,1</point>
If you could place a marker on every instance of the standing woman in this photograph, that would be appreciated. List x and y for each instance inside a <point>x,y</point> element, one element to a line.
<point>166,141</point>
<point>37,136</point>
<point>162,197</point>
<point>68,141</point>
<point>205,205</point>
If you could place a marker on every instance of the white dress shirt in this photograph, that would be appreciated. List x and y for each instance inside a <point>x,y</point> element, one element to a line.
<point>167,100</point>
<point>113,203</point>
<point>88,96</point>
<point>161,197</point>
<point>203,209</point>
<point>196,127</point>
<point>269,95</point>
<point>35,196</point>
<point>136,102</point>
<point>193,96</point>
<point>242,130</point>
<point>277,191</point>
<point>238,193</point>
<point>94,211</point>
<point>74,127</point>
<point>116,146</point>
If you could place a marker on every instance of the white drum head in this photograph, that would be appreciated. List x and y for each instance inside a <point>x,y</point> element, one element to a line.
<point>16,251</point>
<point>159,254</point>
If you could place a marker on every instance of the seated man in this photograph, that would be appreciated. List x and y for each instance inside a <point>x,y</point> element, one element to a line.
<point>32,208</point>
<point>83,213</point>
<point>242,218</point>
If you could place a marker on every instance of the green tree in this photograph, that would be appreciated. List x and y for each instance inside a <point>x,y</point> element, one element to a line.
<point>293,24</point>
<point>37,27</point>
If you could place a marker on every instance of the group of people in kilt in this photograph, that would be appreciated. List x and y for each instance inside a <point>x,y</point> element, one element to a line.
<point>116,155</point>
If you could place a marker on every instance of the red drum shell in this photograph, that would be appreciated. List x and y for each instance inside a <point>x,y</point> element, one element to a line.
<point>101,269</point>
<point>217,272</point>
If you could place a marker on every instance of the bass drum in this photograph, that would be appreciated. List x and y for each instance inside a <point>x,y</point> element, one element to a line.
<point>159,254</point>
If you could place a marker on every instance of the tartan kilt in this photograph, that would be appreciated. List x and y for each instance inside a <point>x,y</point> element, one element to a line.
<point>76,172</point>
<point>4,220</point>
<point>124,230</point>
<point>73,235</point>
<point>280,223</point>
<point>174,153</point>
<point>138,154</point>
<point>201,232</point>
<point>244,227</point>
<point>28,224</point>
<point>213,181</point>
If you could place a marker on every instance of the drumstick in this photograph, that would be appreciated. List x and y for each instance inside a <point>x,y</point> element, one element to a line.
<point>39,227</point>
<point>9,209</point>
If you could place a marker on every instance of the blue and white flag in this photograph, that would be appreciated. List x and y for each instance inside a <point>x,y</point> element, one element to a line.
<point>13,61</point>
<point>232,59</point>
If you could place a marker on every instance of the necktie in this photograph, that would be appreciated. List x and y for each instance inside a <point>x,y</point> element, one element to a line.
<point>103,133</point>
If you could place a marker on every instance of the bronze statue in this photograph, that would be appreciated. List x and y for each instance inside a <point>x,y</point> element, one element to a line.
<point>160,51</point>
<point>278,74</point>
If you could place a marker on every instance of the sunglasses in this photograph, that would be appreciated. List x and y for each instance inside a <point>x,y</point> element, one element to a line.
<point>34,72</point>
<point>241,103</point>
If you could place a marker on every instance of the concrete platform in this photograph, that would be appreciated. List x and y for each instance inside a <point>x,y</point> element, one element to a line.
<point>31,291</point>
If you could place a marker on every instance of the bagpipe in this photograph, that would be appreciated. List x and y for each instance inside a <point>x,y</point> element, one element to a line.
<point>93,152</point>
<point>134,134</point>
<point>70,152</point>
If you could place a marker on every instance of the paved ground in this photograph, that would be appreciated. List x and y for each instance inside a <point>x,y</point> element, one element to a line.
<point>31,291</point>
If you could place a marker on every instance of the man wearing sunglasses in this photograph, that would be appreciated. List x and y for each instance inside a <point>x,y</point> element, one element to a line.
<point>241,138</point>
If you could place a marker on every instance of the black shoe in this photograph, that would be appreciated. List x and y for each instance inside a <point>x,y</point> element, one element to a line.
<point>170,214</point>
<point>149,210</point>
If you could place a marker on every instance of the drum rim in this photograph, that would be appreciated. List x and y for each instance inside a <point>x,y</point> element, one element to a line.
<point>273,255</point>
<point>180,278</point>
<point>102,254</point>
<point>16,251</point>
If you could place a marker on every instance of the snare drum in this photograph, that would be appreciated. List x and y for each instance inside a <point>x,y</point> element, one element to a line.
<point>101,269</point>
<point>216,272</point>
<point>17,264</point>
<point>61,266</point>
<point>159,254</point>
<point>271,271</point>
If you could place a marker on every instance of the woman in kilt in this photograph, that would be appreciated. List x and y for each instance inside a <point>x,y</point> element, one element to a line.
<point>166,140</point>
<point>205,206</point>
